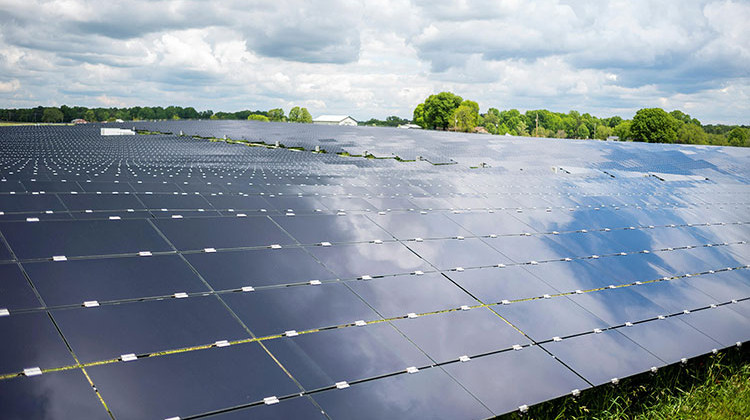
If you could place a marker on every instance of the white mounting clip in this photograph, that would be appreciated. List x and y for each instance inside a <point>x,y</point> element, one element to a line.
<point>270,400</point>
<point>342,385</point>
<point>128,357</point>
<point>34,371</point>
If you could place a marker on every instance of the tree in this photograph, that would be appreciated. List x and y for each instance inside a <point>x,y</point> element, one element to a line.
<point>691,134</point>
<point>394,121</point>
<point>89,115</point>
<point>146,113</point>
<point>305,116</point>
<point>52,115</point>
<point>101,114</point>
<point>276,114</point>
<point>418,116</point>
<point>491,120</point>
<point>602,132</point>
<point>737,137</point>
<point>622,130</point>
<point>465,117</point>
<point>300,115</point>
<point>439,109</point>
<point>653,125</point>
<point>683,117</point>
<point>256,117</point>
<point>582,132</point>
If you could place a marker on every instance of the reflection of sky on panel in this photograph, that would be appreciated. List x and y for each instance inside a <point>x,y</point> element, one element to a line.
<point>450,253</point>
<point>352,261</point>
<point>431,393</point>
<point>601,357</point>
<point>347,354</point>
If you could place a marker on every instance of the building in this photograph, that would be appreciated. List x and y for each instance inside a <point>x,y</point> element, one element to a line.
<point>335,120</point>
<point>410,126</point>
<point>79,121</point>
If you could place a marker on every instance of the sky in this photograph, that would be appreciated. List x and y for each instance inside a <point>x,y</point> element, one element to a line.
<point>382,57</point>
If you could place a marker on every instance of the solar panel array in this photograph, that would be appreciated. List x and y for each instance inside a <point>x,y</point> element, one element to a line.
<point>162,276</point>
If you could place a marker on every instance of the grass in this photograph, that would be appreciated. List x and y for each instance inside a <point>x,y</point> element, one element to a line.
<point>708,387</point>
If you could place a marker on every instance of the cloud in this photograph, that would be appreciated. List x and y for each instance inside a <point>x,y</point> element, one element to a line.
<point>10,86</point>
<point>373,59</point>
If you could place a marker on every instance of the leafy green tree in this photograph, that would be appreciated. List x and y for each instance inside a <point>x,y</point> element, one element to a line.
<point>276,114</point>
<point>613,122</point>
<point>622,130</point>
<point>691,134</point>
<point>602,132</point>
<point>159,113</point>
<point>256,117</point>
<point>653,125</point>
<point>491,121</point>
<point>683,117</point>
<point>520,129</point>
<point>418,116</point>
<point>52,115</point>
<point>294,114</point>
<point>146,113</point>
<point>305,116</point>
<point>439,110</point>
<point>737,137</point>
<point>394,121</point>
<point>582,132</point>
<point>300,115</point>
<point>101,114</point>
<point>465,117</point>
<point>89,115</point>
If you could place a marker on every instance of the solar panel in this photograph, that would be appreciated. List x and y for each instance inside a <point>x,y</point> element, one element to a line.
<point>165,275</point>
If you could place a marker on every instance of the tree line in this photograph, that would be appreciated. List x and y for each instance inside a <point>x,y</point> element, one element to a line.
<point>448,111</point>
<point>66,114</point>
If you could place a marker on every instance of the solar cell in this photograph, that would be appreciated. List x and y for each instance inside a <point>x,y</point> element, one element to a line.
<point>520,377</point>
<point>429,393</point>
<point>46,239</point>
<point>258,267</point>
<point>299,308</point>
<point>601,357</point>
<point>238,374</point>
<point>108,331</point>
<point>220,232</point>
<point>348,354</point>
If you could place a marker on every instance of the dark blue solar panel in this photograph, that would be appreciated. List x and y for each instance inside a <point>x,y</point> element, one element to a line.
<point>212,279</point>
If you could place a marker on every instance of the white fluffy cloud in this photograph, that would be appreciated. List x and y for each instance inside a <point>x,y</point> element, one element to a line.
<point>373,59</point>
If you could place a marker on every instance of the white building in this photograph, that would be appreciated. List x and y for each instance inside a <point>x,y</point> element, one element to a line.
<point>335,120</point>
